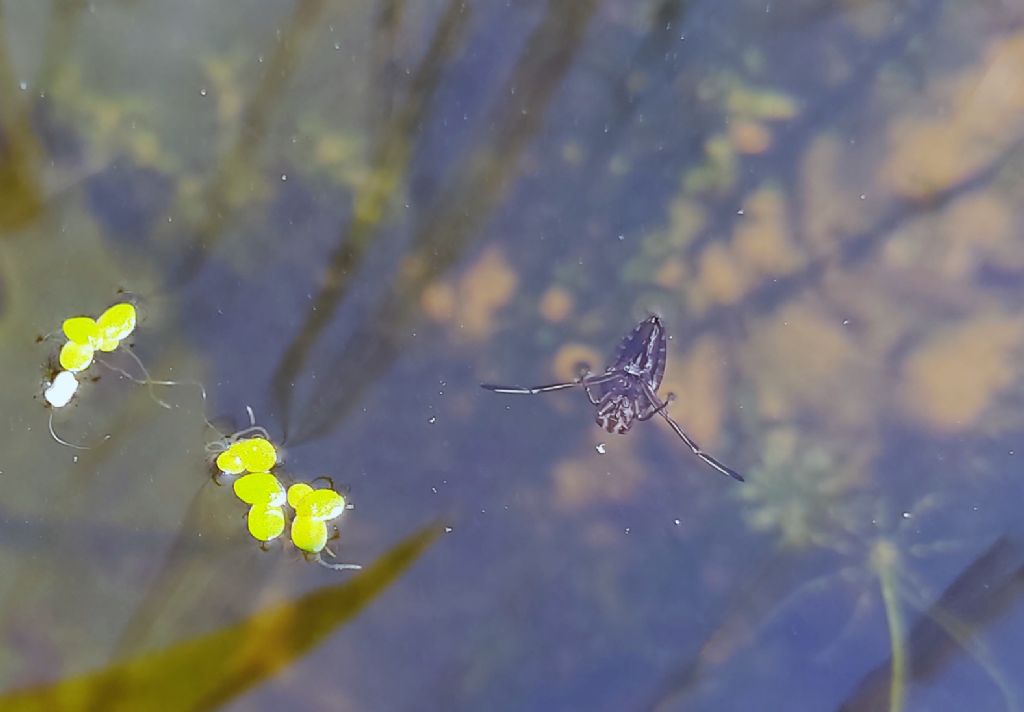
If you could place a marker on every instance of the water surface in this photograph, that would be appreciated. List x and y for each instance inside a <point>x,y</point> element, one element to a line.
<point>348,215</point>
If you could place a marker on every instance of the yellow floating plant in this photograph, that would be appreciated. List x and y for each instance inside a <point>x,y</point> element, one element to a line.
<point>87,335</point>
<point>266,497</point>
<point>76,357</point>
<point>309,535</point>
<point>313,509</point>
<point>115,325</point>
<point>248,455</point>
<point>321,505</point>
<point>260,488</point>
<point>266,522</point>
<point>297,492</point>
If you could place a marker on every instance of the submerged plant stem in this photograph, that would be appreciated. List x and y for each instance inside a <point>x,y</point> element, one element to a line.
<point>894,619</point>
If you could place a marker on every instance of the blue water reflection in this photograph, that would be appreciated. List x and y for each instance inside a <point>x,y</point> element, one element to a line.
<point>348,215</point>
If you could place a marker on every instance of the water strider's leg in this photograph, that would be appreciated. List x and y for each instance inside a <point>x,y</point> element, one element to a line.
<point>694,447</point>
<point>585,381</point>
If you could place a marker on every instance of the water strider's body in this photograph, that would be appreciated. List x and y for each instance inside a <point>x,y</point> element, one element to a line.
<point>627,391</point>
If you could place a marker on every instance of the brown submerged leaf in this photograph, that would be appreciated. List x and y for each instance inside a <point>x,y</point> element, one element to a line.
<point>207,671</point>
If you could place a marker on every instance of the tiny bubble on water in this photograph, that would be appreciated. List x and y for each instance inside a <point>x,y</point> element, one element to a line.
<point>23,85</point>
<point>432,419</point>
<point>447,530</point>
<point>676,522</point>
<point>284,176</point>
<point>600,447</point>
<point>202,92</point>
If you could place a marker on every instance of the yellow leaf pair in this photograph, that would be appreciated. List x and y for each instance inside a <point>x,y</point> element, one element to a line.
<point>87,335</point>
<point>259,489</point>
<point>266,497</point>
<point>248,455</point>
<point>313,509</point>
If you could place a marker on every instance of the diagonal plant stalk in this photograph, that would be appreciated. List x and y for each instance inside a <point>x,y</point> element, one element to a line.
<point>207,671</point>
<point>883,561</point>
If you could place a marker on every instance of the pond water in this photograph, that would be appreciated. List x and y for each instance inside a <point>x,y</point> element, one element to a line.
<point>347,216</point>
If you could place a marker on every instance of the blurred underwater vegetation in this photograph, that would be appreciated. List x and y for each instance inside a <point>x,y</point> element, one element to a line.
<point>347,215</point>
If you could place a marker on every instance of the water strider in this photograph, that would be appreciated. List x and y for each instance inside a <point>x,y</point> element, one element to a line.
<point>627,391</point>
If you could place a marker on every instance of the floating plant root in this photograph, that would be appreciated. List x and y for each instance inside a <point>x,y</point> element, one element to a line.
<point>62,441</point>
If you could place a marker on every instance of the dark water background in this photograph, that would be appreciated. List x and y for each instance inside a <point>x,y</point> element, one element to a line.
<point>347,215</point>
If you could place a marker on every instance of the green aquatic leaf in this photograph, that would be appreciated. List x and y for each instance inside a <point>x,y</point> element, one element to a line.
<point>207,671</point>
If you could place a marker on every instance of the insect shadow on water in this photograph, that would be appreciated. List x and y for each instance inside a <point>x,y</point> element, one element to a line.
<point>627,391</point>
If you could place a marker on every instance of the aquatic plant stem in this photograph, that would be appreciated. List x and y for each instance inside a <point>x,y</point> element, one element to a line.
<point>894,619</point>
